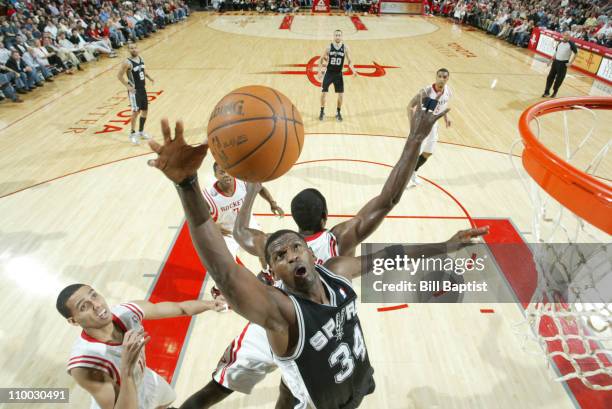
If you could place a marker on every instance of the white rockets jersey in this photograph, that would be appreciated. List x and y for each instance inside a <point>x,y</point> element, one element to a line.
<point>88,352</point>
<point>323,245</point>
<point>224,209</point>
<point>442,97</point>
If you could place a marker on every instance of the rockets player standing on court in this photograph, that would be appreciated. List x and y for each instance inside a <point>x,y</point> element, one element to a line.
<point>134,69</point>
<point>108,358</point>
<point>436,97</point>
<point>334,54</point>
<point>225,198</point>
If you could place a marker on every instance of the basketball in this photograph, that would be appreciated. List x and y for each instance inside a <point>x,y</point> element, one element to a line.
<point>255,133</point>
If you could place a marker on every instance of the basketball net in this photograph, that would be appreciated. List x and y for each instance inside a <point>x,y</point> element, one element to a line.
<point>569,317</point>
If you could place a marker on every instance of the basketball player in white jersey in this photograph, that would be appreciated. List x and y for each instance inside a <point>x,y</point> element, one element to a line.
<point>334,55</point>
<point>133,68</point>
<point>108,359</point>
<point>225,198</point>
<point>436,97</point>
<point>304,283</point>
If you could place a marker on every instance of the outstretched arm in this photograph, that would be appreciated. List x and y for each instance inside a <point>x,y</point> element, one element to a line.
<point>250,298</point>
<point>353,231</point>
<point>274,207</point>
<point>352,267</point>
<point>252,240</point>
<point>178,309</point>
<point>414,103</point>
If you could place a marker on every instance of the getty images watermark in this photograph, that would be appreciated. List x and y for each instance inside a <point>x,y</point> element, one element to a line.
<point>486,273</point>
<point>449,266</point>
<point>423,274</point>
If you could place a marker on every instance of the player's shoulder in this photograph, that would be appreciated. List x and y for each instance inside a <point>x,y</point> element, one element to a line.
<point>130,314</point>
<point>212,191</point>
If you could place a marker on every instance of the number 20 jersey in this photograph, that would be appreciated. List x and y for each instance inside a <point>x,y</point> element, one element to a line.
<point>330,368</point>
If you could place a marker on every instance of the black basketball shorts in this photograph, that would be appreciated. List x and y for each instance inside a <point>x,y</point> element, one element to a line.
<point>138,100</point>
<point>333,78</point>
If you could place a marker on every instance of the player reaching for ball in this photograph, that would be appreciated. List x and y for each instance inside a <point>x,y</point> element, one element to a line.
<point>108,359</point>
<point>311,370</point>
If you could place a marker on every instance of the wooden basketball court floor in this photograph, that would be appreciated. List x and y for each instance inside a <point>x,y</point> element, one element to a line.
<point>79,204</point>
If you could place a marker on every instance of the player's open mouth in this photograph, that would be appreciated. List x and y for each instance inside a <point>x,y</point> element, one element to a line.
<point>300,272</point>
<point>103,314</point>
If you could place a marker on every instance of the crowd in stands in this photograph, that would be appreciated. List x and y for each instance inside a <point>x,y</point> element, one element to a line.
<point>40,39</point>
<point>514,20</point>
<point>289,6</point>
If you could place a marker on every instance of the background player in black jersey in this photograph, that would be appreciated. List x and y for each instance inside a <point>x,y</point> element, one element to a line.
<point>334,55</point>
<point>294,315</point>
<point>134,70</point>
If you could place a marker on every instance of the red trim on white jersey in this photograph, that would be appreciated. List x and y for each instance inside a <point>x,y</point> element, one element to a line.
<point>332,247</point>
<point>214,211</point>
<point>95,361</point>
<point>438,93</point>
<point>221,191</point>
<point>233,353</point>
<point>135,309</point>
<point>314,236</point>
<point>89,338</point>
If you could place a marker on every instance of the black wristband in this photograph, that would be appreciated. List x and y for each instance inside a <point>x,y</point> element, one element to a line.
<point>395,250</point>
<point>188,182</point>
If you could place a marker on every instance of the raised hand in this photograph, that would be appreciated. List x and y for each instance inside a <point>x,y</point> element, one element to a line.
<point>176,159</point>
<point>422,120</point>
<point>277,210</point>
<point>464,238</point>
<point>133,342</point>
<point>220,304</point>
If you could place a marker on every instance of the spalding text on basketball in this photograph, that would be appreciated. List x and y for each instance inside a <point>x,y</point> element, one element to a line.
<point>234,108</point>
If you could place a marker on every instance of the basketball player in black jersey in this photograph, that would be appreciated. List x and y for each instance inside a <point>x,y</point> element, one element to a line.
<point>134,69</point>
<point>334,55</point>
<point>323,364</point>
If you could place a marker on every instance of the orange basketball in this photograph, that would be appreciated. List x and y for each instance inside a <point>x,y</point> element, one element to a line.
<point>255,133</point>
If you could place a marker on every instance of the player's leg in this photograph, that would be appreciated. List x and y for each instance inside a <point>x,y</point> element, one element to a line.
<point>133,134</point>
<point>427,148</point>
<point>245,363</point>
<point>551,78</point>
<point>209,395</point>
<point>561,71</point>
<point>143,104</point>
<point>322,112</point>
<point>135,111</point>
<point>324,89</point>
<point>339,88</point>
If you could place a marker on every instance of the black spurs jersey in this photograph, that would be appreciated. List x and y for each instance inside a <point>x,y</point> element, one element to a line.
<point>336,58</point>
<point>330,368</point>
<point>136,73</point>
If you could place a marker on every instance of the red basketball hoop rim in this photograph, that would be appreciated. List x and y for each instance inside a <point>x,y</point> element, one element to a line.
<point>583,194</point>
